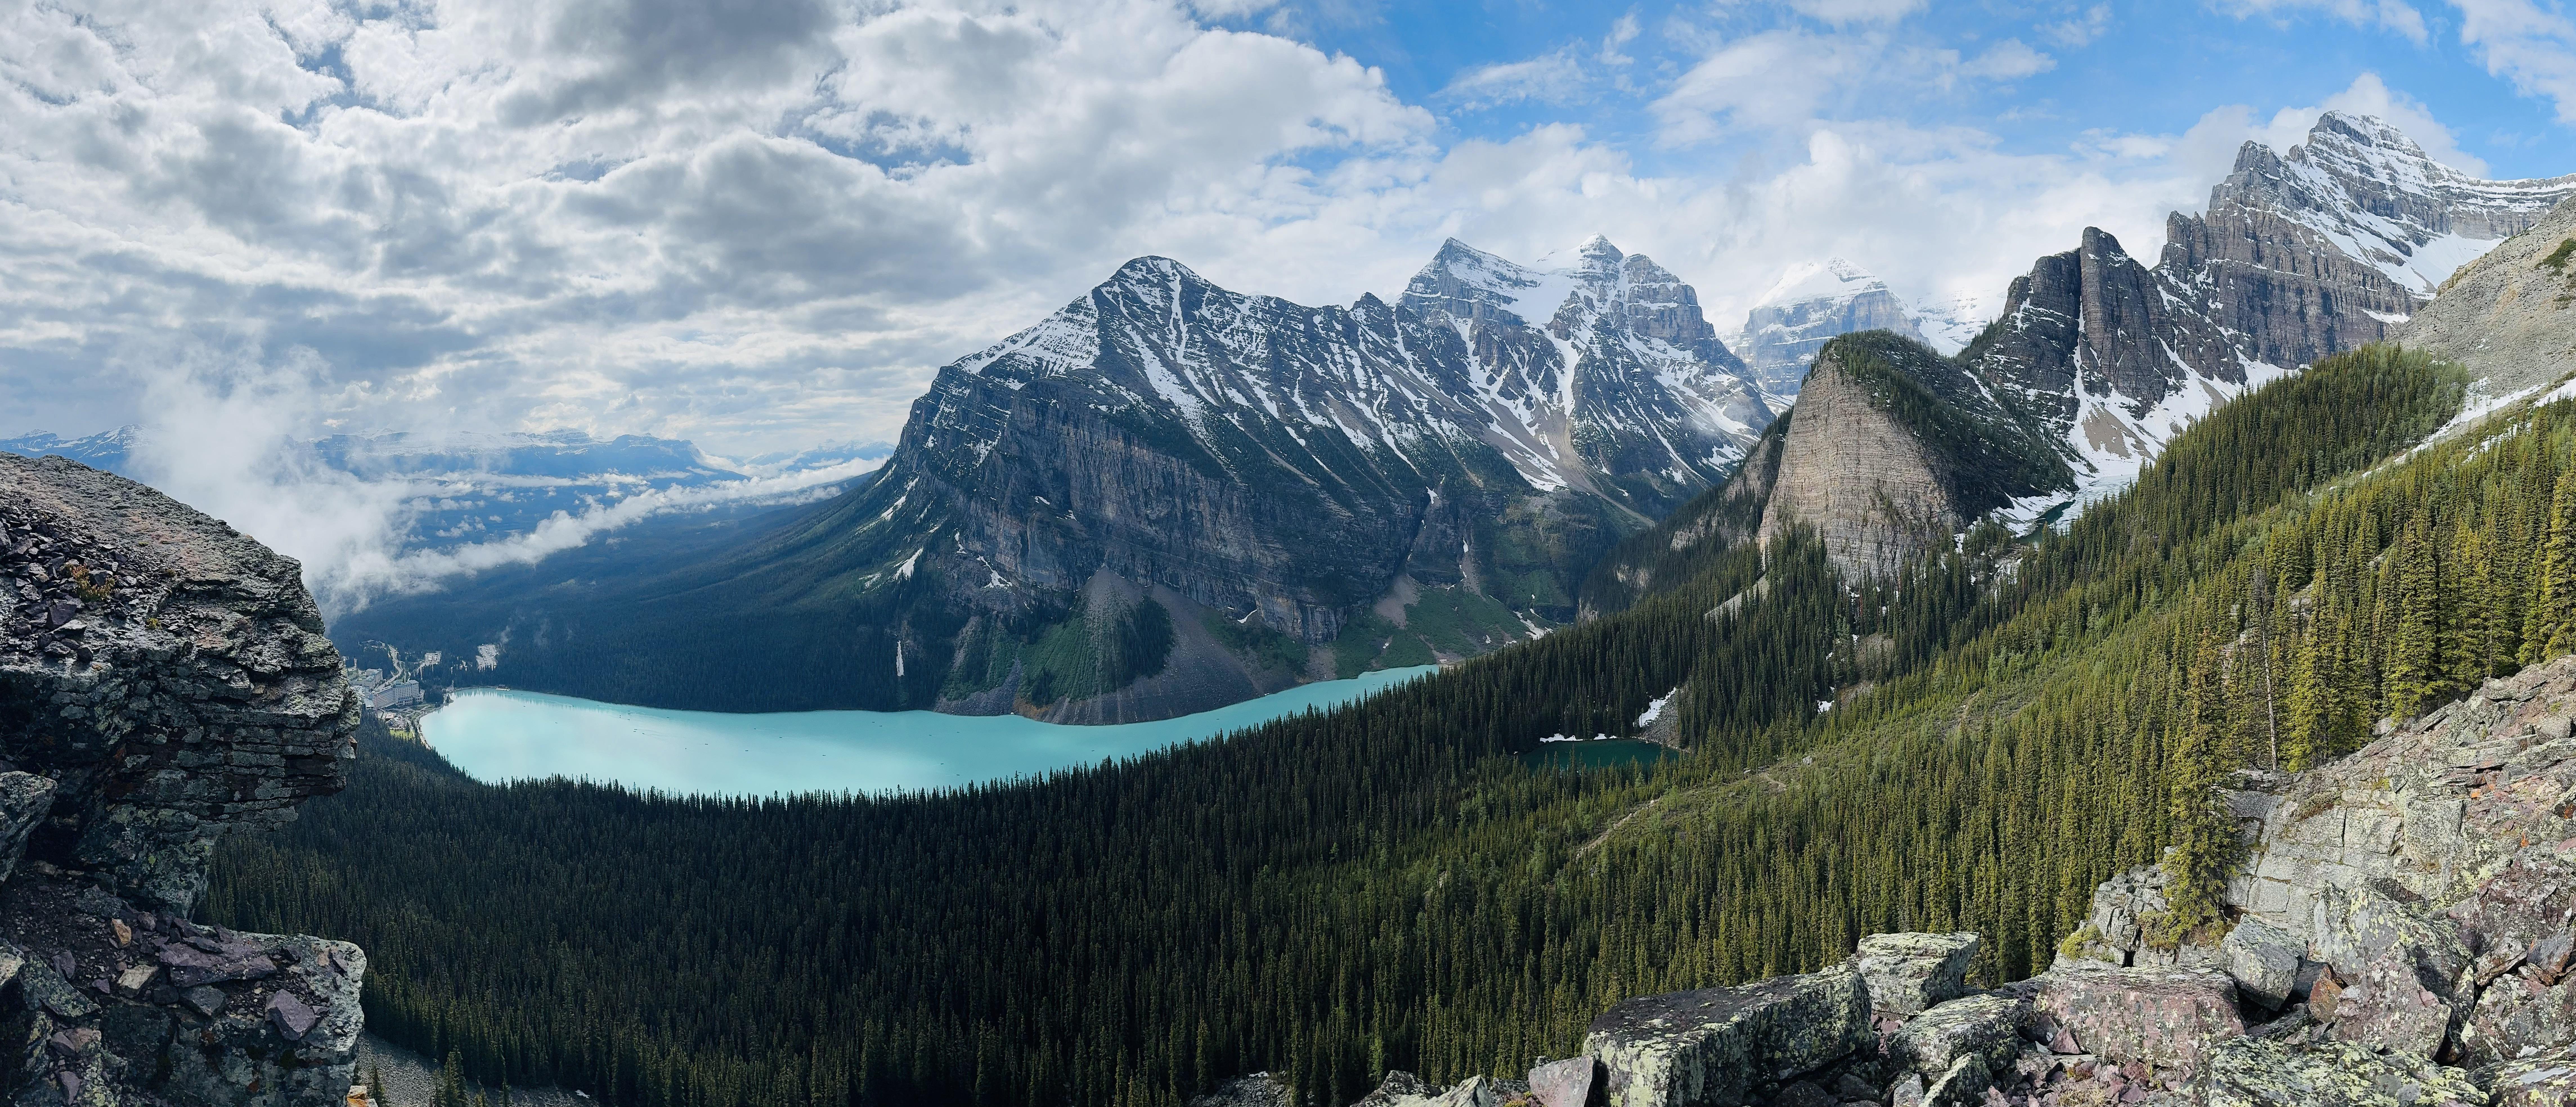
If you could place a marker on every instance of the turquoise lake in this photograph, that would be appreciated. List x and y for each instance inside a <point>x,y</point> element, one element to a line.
<point>500,735</point>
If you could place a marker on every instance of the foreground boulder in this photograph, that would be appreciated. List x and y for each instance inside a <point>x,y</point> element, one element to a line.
<point>2253,1072</point>
<point>1720,1046</point>
<point>1908,973</point>
<point>2162,1018</point>
<point>2396,969</point>
<point>163,681</point>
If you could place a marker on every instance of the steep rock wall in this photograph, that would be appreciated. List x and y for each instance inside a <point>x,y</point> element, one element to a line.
<point>1874,493</point>
<point>163,680</point>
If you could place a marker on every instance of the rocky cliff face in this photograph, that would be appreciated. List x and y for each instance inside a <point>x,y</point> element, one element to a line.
<point>1894,449</point>
<point>2510,316</point>
<point>2298,256</point>
<point>1808,306</point>
<point>163,680</point>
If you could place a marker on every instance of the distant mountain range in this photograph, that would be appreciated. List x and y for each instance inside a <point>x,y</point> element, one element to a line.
<point>469,487</point>
<point>1167,495</point>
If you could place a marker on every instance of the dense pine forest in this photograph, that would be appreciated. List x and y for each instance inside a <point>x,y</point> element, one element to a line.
<point>1390,886</point>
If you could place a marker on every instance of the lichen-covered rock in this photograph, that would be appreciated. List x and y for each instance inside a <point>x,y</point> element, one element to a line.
<point>168,674</point>
<point>163,680</point>
<point>1722,1046</point>
<point>2547,1080</point>
<point>2123,906</point>
<point>1908,974</point>
<point>2254,1072</point>
<point>2158,1017</point>
<point>2263,959</point>
<point>1986,1027</point>
<point>2398,968</point>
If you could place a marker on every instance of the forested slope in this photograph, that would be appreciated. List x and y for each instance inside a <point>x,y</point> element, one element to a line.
<point>1388,887</point>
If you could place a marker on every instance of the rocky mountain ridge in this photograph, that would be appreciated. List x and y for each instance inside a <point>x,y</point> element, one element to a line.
<point>163,681</point>
<point>2102,358</point>
<point>2328,247</point>
<point>1893,449</point>
<point>2509,316</point>
<point>1169,496</point>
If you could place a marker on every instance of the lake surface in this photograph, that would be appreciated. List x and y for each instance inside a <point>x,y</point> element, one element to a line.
<point>498,735</point>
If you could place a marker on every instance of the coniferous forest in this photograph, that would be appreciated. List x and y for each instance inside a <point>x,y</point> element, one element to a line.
<point>1393,886</point>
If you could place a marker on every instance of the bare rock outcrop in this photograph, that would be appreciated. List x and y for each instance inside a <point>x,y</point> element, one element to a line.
<point>1893,449</point>
<point>2510,316</point>
<point>163,680</point>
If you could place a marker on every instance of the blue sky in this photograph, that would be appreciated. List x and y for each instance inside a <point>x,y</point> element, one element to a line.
<point>2153,68</point>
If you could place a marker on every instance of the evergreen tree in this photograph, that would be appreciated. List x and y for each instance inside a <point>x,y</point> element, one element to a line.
<point>2553,618</point>
<point>2203,835</point>
<point>2415,673</point>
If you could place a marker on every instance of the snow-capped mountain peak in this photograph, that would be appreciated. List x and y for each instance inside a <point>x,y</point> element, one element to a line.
<point>2377,198</point>
<point>1810,304</point>
<point>2299,256</point>
<point>1820,280</point>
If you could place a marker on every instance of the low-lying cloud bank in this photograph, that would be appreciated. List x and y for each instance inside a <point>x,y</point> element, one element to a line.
<point>232,437</point>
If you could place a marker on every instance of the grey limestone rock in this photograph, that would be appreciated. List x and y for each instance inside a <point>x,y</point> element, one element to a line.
<point>1721,1046</point>
<point>2508,316</point>
<point>1909,973</point>
<point>1403,1089</point>
<point>2264,960</point>
<point>1878,481</point>
<point>2122,907</point>
<point>1260,1089</point>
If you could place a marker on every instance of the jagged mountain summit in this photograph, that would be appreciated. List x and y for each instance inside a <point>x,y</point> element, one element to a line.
<point>1168,496</point>
<point>2099,359</point>
<point>1607,362</point>
<point>2299,255</point>
<point>1809,305</point>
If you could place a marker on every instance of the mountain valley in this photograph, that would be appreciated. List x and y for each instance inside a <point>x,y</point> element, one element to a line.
<point>2161,698</point>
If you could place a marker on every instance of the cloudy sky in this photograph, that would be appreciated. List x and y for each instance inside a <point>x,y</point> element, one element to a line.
<point>761,224</point>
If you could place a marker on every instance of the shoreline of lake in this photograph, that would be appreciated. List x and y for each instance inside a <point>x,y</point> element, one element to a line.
<point>498,735</point>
